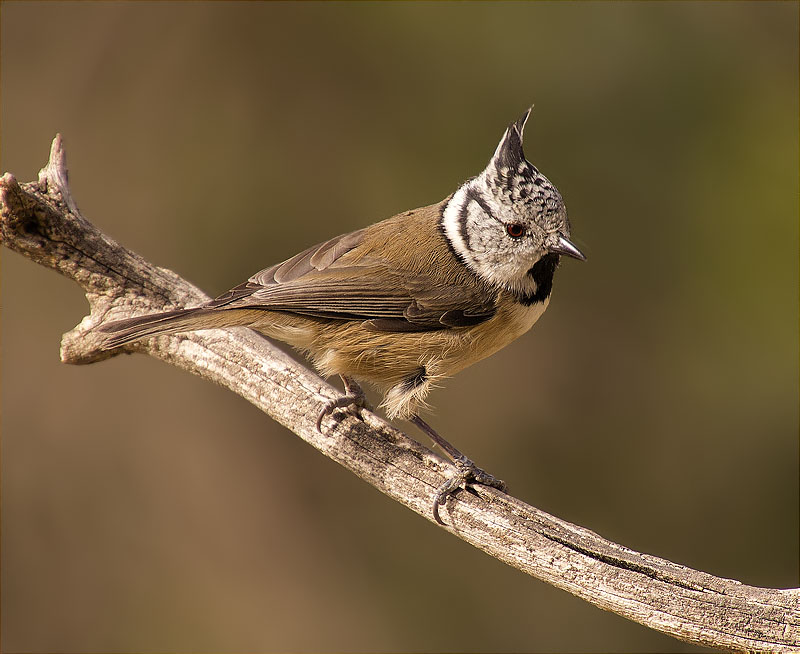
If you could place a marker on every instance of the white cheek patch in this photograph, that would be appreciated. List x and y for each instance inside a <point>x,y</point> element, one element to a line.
<point>470,231</point>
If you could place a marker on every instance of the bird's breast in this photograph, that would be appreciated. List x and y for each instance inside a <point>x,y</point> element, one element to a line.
<point>511,321</point>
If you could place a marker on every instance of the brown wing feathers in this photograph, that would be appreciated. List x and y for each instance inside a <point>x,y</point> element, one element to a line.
<point>339,280</point>
<point>346,279</point>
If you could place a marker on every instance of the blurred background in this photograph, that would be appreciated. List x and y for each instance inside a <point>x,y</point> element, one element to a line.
<point>656,402</point>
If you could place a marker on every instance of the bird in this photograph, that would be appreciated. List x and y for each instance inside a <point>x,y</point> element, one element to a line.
<point>408,301</point>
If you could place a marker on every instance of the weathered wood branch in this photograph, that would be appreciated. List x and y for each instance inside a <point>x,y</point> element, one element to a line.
<point>41,221</point>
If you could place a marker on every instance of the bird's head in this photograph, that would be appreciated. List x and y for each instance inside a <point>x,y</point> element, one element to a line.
<point>509,219</point>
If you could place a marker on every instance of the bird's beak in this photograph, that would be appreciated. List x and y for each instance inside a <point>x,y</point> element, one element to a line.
<point>564,246</point>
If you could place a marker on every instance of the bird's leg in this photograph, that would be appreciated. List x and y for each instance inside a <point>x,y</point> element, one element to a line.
<point>353,397</point>
<point>468,472</point>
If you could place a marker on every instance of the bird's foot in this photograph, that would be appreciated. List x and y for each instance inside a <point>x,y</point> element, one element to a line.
<point>468,474</point>
<point>353,400</point>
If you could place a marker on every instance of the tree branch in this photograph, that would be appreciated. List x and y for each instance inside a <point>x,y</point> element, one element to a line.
<point>41,221</point>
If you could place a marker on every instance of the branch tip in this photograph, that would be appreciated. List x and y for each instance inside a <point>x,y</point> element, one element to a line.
<point>55,176</point>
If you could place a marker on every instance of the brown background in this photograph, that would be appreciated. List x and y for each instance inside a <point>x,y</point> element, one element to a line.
<point>655,402</point>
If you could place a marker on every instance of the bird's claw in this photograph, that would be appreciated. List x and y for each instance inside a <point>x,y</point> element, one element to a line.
<point>468,474</point>
<point>354,402</point>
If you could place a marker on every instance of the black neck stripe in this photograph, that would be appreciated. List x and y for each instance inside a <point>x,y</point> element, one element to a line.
<point>542,274</point>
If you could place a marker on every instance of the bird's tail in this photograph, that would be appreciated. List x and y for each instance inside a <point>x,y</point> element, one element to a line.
<point>128,330</point>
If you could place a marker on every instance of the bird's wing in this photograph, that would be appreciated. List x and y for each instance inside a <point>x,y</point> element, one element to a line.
<point>321,282</point>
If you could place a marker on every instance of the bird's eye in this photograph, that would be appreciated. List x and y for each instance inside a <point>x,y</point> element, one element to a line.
<point>515,230</point>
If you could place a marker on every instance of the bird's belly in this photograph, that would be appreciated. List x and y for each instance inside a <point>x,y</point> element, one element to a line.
<point>403,365</point>
<point>389,358</point>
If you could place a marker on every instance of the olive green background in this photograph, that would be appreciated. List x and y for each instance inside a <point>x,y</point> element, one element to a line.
<point>656,402</point>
